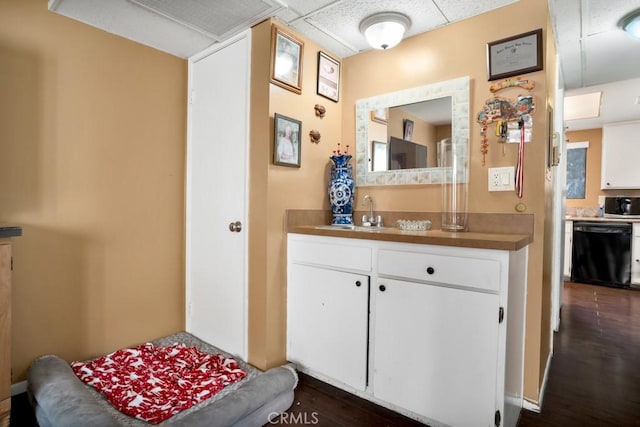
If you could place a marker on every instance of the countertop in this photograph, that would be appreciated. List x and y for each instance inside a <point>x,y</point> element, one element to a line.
<point>600,219</point>
<point>509,242</point>
<point>10,230</point>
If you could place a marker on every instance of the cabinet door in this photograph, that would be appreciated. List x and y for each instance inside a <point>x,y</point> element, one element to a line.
<point>435,351</point>
<point>619,164</point>
<point>327,322</point>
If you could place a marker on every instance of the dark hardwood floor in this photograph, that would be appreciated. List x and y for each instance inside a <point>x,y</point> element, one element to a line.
<point>594,378</point>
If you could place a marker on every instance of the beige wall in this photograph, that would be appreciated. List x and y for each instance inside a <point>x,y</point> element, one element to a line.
<point>92,143</point>
<point>429,58</point>
<point>594,160</point>
<point>274,189</point>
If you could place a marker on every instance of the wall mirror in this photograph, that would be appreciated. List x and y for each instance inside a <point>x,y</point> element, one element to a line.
<point>399,135</point>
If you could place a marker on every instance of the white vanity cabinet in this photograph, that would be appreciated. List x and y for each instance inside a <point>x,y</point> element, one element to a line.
<point>443,335</point>
<point>327,309</point>
<point>635,255</point>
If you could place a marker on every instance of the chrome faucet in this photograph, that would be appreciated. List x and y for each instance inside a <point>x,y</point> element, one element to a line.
<point>371,220</point>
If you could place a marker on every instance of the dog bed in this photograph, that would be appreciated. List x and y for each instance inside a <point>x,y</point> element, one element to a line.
<point>61,399</point>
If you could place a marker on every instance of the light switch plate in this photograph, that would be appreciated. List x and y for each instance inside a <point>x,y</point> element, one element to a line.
<point>502,179</point>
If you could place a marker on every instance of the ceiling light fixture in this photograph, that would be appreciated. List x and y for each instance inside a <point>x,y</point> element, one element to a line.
<point>384,30</point>
<point>630,23</point>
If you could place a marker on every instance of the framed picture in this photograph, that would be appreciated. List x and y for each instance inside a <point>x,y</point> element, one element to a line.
<point>286,141</point>
<point>515,55</point>
<point>328,77</point>
<point>286,60</point>
<point>379,116</point>
<point>407,125</point>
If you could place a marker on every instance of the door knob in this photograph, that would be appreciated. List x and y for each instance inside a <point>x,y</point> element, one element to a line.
<point>235,226</point>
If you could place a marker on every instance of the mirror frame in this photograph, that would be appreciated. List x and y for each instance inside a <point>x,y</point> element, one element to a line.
<point>457,89</point>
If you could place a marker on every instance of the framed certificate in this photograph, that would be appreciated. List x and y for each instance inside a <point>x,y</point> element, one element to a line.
<point>515,55</point>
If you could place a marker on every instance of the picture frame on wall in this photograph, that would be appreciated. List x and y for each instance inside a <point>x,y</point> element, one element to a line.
<point>286,60</point>
<point>286,141</point>
<point>408,129</point>
<point>513,56</point>
<point>379,116</point>
<point>328,77</point>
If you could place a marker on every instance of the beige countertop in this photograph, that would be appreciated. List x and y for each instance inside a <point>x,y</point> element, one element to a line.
<point>601,219</point>
<point>469,239</point>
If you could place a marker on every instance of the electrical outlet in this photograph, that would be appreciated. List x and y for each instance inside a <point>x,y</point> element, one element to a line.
<point>502,179</point>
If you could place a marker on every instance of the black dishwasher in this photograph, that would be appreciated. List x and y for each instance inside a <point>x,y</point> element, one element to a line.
<point>601,253</point>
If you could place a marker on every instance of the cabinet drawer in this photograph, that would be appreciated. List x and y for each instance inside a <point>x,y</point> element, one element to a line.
<point>339,255</point>
<point>461,271</point>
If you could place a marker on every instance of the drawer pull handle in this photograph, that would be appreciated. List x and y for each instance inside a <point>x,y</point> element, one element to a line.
<point>358,283</point>
<point>430,270</point>
<point>382,288</point>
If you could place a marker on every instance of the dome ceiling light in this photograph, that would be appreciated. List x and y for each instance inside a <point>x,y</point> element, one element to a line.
<point>631,24</point>
<point>384,30</point>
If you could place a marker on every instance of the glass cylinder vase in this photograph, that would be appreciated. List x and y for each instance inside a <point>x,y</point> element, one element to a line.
<point>455,187</point>
<point>341,189</point>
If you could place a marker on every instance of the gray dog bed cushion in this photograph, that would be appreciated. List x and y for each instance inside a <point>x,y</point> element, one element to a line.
<point>60,398</point>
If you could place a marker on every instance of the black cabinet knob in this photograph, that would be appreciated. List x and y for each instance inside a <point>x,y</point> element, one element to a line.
<point>382,288</point>
<point>358,283</point>
<point>430,270</point>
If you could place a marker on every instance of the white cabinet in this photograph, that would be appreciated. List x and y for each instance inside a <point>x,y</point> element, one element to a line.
<point>438,335</point>
<point>568,247</point>
<point>327,322</point>
<point>635,255</point>
<point>619,156</point>
<point>327,308</point>
<point>436,351</point>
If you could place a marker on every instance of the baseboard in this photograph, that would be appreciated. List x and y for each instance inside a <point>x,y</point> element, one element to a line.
<point>18,388</point>
<point>530,406</point>
<point>543,387</point>
<point>535,406</point>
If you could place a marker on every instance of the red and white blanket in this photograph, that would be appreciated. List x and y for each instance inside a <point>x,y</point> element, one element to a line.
<point>154,383</point>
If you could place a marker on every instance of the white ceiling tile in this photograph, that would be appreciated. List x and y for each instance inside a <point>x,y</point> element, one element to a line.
<point>219,19</point>
<point>603,15</point>
<point>135,23</point>
<point>341,50</point>
<point>457,10</point>
<point>610,57</point>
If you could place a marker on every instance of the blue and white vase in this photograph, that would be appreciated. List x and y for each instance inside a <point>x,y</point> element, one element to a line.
<point>341,186</point>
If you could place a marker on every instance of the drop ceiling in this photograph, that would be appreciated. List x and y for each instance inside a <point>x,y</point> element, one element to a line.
<point>594,55</point>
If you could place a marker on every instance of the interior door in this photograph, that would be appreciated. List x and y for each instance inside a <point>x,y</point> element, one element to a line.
<point>216,261</point>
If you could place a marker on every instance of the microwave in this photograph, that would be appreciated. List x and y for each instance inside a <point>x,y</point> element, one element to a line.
<point>622,206</point>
